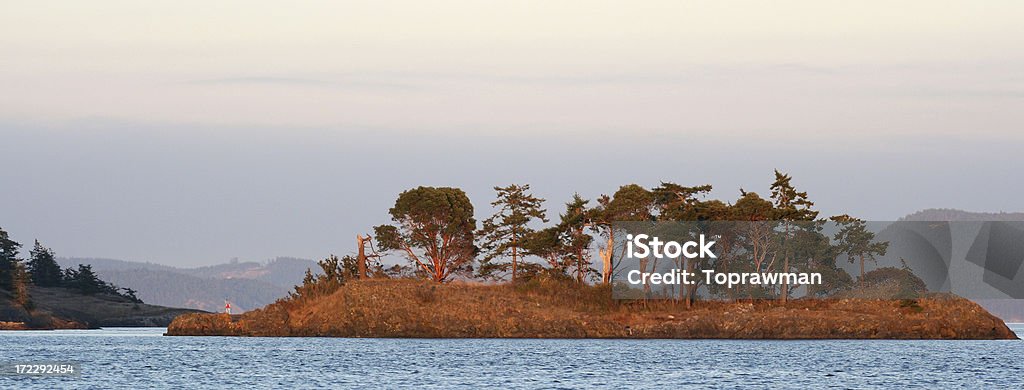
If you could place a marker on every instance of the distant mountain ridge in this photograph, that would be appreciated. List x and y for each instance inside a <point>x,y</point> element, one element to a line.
<point>1010,310</point>
<point>247,285</point>
<point>961,215</point>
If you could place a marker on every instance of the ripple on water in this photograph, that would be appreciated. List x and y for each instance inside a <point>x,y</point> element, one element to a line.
<point>133,357</point>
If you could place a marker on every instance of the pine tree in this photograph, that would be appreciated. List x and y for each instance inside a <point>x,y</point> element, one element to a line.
<point>630,203</point>
<point>434,227</point>
<point>43,267</point>
<point>790,205</point>
<point>574,221</point>
<point>857,242</point>
<point>8,260</point>
<point>503,233</point>
<point>85,280</point>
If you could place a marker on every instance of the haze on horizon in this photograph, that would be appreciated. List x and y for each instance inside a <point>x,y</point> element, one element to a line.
<point>190,133</point>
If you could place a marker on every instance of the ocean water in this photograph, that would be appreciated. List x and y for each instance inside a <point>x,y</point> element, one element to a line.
<point>143,358</point>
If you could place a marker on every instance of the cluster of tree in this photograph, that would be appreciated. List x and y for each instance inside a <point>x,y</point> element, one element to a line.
<point>435,229</point>
<point>41,269</point>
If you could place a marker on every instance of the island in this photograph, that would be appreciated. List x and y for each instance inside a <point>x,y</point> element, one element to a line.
<point>553,309</point>
<point>462,281</point>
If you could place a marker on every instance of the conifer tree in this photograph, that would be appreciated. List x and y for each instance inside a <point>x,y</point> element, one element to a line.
<point>572,226</point>
<point>434,228</point>
<point>85,280</point>
<point>630,203</point>
<point>857,242</point>
<point>8,260</point>
<point>42,267</point>
<point>790,205</point>
<point>503,233</point>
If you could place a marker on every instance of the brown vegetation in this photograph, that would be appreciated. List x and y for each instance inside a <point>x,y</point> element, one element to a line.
<point>553,308</point>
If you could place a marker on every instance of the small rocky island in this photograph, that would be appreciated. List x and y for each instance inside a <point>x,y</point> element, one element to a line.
<point>551,309</point>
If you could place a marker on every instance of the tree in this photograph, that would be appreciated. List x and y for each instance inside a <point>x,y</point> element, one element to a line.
<point>334,273</point>
<point>757,233</point>
<point>434,228</point>
<point>85,280</point>
<point>42,267</point>
<point>630,203</point>
<point>19,285</point>
<point>547,244</point>
<point>572,235</point>
<point>854,239</point>
<point>131,295</point>
<point>680,203</point>
<point>362,258</point>
<point>502,234</point>
<point>790,205</point>
<point>8,260</point>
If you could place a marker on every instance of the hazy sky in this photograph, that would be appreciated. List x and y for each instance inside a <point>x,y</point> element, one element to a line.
<point>192,132</point>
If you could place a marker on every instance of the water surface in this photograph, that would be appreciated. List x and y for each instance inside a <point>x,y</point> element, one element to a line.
<point>142,357</point>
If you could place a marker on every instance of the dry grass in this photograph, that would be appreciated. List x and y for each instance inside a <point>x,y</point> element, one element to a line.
<point>555,309</point>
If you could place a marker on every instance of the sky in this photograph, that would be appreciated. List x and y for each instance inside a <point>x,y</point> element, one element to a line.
<point>194,132</point>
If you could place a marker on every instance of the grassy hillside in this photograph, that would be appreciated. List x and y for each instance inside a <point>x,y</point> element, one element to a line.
<point>553,309</point>
<point>57,307</point>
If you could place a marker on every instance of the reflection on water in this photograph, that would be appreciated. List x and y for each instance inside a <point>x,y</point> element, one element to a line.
<point>133,357</point>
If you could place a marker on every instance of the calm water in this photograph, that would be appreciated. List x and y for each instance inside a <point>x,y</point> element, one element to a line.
<point>133,358</point>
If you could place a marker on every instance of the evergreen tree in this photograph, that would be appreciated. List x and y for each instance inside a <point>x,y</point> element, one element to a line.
<point>130,294</point>
<point>857,242</point>
<point>630,203</point>
<point>547,244</point>
<point>790,205</point>
<point>502,234</point>
<point>19,285</point>
<point>434,228</point>
<point>574,221</point>
<point>43,267</point>
<point>8,260</point>
<point>85,280</point>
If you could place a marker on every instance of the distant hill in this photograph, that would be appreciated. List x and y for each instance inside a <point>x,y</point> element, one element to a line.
<point>1010,310</point>
<point>960,215</point>
<point>247,285</point>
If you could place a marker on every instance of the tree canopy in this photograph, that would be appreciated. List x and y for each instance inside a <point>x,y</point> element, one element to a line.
<point>503,233</point>
<point>433,227</point>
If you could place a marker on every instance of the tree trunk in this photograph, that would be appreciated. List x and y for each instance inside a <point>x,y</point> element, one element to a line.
<point>785,281</point>
<point>785,266</point>
<point>689,291</point>
<point>361,259</point>
<point>862,271</point>
<point>606,259</point>
<point>515,257</point>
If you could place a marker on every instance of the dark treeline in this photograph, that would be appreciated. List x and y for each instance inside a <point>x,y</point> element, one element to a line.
<point>435,230</point>
<point>41,269</point>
